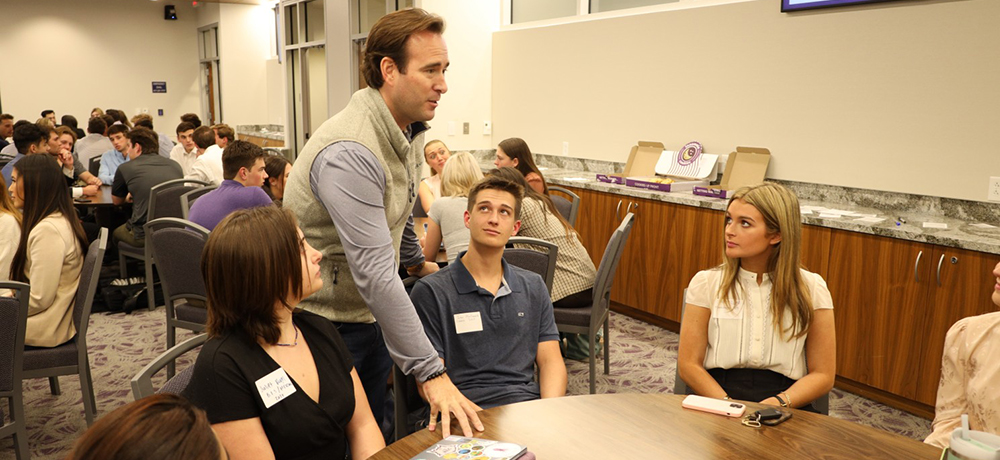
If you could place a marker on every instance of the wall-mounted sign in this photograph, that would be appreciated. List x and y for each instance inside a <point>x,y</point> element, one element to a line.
<point>159,86</point>
<point>795,5</point>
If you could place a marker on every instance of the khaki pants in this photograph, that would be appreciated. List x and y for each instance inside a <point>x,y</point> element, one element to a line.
<point>122,233</point>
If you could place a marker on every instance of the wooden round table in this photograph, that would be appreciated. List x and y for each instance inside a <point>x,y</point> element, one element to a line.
<point>655,426</point>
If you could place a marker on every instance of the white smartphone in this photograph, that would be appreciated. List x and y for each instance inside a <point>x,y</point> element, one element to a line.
<point>716,406</point>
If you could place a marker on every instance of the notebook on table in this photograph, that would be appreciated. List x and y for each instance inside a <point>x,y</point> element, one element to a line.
<point>462,448</point>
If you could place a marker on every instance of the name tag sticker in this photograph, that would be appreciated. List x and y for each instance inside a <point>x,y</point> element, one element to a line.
<point>468,322</point>
<point>274,387</point>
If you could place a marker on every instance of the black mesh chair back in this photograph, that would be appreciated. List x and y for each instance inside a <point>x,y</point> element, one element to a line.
<point>568,206</point>
<point>13,321</point>
<point>176,244</point>
<point>187,199</point>
<point>94,166</point>
<point>142,383</point>
<point>165,198</point>
<point>540,257</point>
<point>589,320</point>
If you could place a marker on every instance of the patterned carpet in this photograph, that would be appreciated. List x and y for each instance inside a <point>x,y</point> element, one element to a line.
<point>643,361</point>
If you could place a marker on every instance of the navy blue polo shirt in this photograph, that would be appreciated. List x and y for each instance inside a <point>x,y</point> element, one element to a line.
<point>493,366</point>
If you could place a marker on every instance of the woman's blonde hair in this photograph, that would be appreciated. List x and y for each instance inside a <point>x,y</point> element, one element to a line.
<point>7,205</point>
<point>459,174</point>
<point>780,209</point>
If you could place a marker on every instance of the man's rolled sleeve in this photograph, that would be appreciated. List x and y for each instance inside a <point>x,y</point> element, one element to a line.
<point>352,191</point>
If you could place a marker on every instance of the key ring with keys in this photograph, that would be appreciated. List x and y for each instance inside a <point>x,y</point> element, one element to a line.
<point>752,420</point>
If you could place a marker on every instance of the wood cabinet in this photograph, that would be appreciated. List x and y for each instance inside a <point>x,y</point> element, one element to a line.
<point>894,303</point>
<point>894,300</point>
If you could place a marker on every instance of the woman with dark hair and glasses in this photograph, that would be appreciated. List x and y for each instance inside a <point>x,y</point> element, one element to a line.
<point>160,427</point>
<point>276,382</point>
<point>50,251</point>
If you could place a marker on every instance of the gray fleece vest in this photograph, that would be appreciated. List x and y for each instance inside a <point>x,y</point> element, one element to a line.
<point>367,121</point>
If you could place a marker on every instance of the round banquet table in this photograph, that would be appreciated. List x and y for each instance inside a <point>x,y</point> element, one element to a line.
<point>655,426</point>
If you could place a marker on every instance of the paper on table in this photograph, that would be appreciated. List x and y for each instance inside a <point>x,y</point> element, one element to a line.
<point>935,225</point>
<point>576,179</point>
<point>870,219</point>
<point>829,215</point>
<point>981,225</point>
<point>805,211</point>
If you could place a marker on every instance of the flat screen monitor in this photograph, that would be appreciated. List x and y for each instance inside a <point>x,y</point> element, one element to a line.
<point>796,5</point>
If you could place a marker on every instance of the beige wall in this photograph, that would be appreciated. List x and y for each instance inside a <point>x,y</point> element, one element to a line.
<point>71,56</point>
<point>468,34</point>
<point>898,96</point>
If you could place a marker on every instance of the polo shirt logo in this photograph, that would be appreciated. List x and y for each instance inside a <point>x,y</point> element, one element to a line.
<point>520,313</point>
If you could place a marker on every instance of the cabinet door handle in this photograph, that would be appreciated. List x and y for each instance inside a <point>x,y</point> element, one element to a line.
<point>940,261</point>
<point>618,209</point>
<point>635,206</point>
<point>916,267</point>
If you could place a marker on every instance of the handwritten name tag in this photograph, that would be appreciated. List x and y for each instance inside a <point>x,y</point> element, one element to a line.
<point>274,387</point>
<point>468,322</point>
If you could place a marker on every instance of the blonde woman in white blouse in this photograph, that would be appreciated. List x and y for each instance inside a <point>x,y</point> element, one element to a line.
<point>10,231</point>
<point>759,327</point>
<point>970,375</point>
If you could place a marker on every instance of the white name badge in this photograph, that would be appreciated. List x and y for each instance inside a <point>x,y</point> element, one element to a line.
<point>468,322</point>
<point>274,387</point>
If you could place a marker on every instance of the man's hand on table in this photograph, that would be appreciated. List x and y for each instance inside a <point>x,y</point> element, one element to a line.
<point>445,399</point>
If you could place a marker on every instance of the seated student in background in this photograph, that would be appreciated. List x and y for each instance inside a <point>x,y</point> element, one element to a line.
<point>10,231</point>
<point>112,159</point>
<point>259,336</point>
<point>759,327</point>
<point>145,170</point>
<point>490,321</point>
<point>119,117</point>
<point>96,112</point>
<point>50,250</point>
<point>446,218</point>
<point>277,168</point>
<point>185,152</point>
<point>146,121</point>
<point>159,427</point>
<point>208,166</point>
<point>970,375</point>
<point>436,154</point>
<point>191,118</point>
<point>573,282</point>
<point>94,144</point>
<point>514,153</point>
<point>69,121</point>
<point>243,166</point>
<point>72,167</point>
<point>29,139</point>
<point>6,130</point>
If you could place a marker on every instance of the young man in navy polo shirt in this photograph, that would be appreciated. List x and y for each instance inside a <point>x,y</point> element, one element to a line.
<point>489,321</point>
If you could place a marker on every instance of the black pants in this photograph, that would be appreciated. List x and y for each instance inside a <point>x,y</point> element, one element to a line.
<point>578,300</point>
<point>753,384</point>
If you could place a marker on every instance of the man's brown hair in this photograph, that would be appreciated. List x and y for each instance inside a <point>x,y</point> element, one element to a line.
<point>204,137</point>
<point>66,130</point>
<point>143,119</point>
<point>117,129</point>
<point>96,125</point>
<point>6,116</point>
<point>492,182</point>
<point>240,154</point>
<point>224,131</point>
<point>270,271</point>
<point>185,126</point>
<point>192,118</point>
<point>145,138</point>
<point>388,38</point>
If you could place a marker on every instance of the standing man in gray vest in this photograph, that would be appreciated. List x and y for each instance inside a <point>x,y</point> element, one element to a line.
<point>353,188</point>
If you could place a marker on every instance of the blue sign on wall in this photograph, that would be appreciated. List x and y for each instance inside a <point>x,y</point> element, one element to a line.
<point>159,86</point>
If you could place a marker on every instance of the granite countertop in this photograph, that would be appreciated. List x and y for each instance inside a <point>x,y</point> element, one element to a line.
<point>969,225</point>
<point>275,132</point>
